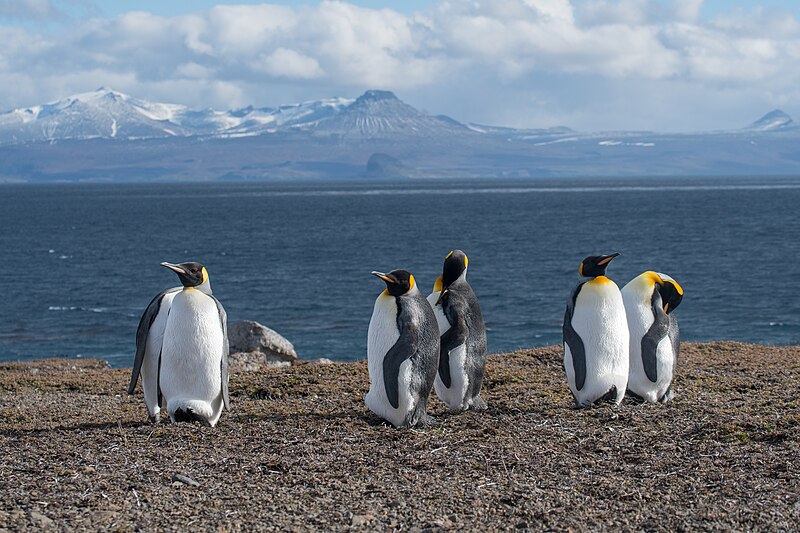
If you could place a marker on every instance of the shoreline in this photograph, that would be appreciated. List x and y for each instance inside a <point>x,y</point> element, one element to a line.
<point>300,450</point>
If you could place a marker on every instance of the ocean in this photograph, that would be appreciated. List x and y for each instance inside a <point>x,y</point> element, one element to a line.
<point>81,261</point>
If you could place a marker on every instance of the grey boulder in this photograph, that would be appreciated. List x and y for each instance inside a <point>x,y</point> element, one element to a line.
<point>249,336</point>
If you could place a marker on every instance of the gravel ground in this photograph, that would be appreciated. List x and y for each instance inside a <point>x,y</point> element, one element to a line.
<point>300,451</point>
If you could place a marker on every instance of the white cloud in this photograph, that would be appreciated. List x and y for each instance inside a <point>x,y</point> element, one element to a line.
<point>535,53</point>
<point>289,64</point>
<point>27,9</point>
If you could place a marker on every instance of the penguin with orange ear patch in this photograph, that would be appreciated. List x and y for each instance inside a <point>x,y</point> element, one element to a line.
<point>596,336</point>
<point>462,357</point>
<point>402,352</point>
<point>650,301</point>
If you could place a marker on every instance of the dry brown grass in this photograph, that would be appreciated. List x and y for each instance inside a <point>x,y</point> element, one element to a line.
<point>300,451</point>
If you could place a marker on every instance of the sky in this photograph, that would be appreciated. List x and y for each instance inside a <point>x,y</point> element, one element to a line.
<point>592,65</point>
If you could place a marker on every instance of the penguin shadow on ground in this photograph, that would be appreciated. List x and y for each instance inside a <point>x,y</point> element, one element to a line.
<point>86,426</point>
<point>315,417</point>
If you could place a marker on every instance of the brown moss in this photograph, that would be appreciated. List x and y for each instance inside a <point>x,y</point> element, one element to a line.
<point>300,451</point>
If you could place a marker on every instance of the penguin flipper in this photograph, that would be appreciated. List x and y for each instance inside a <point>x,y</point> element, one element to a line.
<point>404,348</point>
<point>658,330</point>
<point>455,311</point>
<point>675,338</point>
<point>223,317</point>
<point>574,341</point>
<point>143,332</point>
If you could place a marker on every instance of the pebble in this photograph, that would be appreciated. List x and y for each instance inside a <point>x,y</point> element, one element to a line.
<point>103,517</point>
<point>361,519</point>
<point>41,520</point>
<point>186,480</point>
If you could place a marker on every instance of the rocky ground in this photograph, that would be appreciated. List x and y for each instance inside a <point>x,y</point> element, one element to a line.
<point>300,451</point>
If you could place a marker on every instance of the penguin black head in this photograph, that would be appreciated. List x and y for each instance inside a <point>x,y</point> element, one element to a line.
<point>455,264</point>
<point>398,282</point>
<point>595,265</point>
<point>671,292</point>
<point>190,274</point>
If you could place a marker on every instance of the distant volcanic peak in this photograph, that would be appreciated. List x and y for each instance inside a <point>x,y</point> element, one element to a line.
<point>773,120</point>
<point>374,95</point>
<point>99,94</point>
<point>382,103</point>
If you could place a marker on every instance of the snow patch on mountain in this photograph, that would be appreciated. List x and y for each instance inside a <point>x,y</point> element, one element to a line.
<point>774,120</point>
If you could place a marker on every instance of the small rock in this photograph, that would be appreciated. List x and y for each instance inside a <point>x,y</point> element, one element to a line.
<point>186,480</point>
<point>322,361</point>
<point>88,470</point>
<point>41,520</point>
<point>361,519</point>
<point>249,336</point>
<point>103,517</point>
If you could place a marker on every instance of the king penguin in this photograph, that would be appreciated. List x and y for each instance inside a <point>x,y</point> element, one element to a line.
<point>402,352</point>
<point>182,350</point>
<point>462,355</point>
<point>650,301</point>
<point>596,336</point>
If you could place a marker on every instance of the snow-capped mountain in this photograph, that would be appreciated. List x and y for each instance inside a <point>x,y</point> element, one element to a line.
<point>381,113</point>
<point>102,113</point>
<point>292,116</point>
<point>774,120</point>
<point>105,135</point>
<point>109,114</point>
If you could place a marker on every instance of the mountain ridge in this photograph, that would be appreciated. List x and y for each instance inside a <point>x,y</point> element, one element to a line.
<point>110,114</point>
<point>105,135</point>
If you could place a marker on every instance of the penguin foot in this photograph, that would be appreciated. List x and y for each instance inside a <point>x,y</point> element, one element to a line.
<point>154,419</point>
<point>478,404</point>
<point>609,397</point>
<point>667,396</point>
<point>425,420</point>
<point>188,415</point>
<point>635,398</point>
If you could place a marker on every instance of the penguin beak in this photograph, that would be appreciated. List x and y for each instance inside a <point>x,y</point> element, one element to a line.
<point>175,268</point>
<point>439,299</point>
<point>383,276</point>
<point>607,259</point>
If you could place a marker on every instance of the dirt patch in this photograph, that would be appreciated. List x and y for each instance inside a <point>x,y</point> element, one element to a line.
<point>300,451</point>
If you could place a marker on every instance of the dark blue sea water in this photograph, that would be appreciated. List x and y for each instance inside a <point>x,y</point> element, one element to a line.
<point>81,262</point>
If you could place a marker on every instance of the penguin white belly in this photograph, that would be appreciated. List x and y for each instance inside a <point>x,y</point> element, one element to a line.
<point>640,319</point>
<point>381,336</point>
<point>155,340</point>
<point>454,396</point>
<point>639,383</point>
<point>600,321</point>
<point>191,356</point>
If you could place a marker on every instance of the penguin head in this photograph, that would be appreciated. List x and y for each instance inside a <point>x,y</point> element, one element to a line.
<point>455,266</point>
<point>398,282</point>
<point>671,292</point>
<point>190,274</point>
<point>595,265</point>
